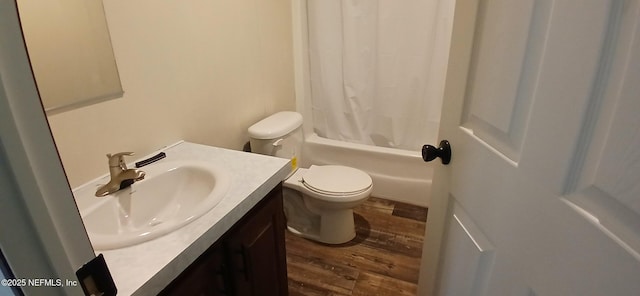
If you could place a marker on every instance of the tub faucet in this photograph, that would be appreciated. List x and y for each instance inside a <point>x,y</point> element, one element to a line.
<point>121,177</point>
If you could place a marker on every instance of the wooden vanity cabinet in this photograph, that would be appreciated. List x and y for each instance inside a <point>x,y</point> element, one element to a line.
<point>249,259</point>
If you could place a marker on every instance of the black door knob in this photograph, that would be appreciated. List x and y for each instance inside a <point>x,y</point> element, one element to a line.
<point>443,151</point>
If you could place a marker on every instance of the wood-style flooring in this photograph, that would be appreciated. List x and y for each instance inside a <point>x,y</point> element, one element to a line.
<point>383,259</point>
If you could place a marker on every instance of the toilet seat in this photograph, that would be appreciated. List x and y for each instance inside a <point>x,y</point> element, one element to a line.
<point>336,181</point>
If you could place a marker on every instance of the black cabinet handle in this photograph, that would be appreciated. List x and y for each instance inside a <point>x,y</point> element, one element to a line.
<point>245,263</point>
<point>443,151</point>
<point>222,278</point>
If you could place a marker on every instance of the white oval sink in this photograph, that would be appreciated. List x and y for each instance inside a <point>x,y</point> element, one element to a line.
<point>171,195</point>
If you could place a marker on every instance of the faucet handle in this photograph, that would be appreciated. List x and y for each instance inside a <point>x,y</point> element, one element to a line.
<point>117,160</point>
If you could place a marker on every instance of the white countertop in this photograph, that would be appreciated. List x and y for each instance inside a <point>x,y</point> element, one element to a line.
<point>147,268</point>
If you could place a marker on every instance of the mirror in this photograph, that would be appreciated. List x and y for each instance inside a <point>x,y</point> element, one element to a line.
<point>70,51</point>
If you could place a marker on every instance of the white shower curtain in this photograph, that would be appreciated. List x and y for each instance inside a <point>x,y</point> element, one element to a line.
<point>377,71</point>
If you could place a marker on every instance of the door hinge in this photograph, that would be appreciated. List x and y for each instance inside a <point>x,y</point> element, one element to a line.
<point>95,278</point>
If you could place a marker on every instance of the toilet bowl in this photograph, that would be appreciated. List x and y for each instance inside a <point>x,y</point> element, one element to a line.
<point>328,193</point>
<point>318,201</point>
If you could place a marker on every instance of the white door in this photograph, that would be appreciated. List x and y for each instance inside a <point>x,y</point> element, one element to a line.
<point>542,110</point>
<point>41,232</point>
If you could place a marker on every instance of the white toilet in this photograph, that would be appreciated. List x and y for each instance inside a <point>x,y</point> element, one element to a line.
<point>318,201</point>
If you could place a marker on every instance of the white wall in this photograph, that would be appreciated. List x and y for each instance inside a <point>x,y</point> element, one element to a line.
<point>202,71</point>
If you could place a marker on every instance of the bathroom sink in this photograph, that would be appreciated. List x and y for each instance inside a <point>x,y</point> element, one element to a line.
<point>172,195</point>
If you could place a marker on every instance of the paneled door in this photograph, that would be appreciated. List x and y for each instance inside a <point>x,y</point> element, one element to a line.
<point>542,110</point>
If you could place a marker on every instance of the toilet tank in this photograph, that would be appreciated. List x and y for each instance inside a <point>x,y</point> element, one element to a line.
<point>278,135</point>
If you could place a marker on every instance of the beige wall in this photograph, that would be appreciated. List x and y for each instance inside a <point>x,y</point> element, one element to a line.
<point>202,71</point>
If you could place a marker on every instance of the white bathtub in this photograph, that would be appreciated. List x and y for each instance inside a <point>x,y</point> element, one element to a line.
<point>398,175</point>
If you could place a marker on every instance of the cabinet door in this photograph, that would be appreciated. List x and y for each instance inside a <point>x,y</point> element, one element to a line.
<point>202,278</point>
<point>257,250</point>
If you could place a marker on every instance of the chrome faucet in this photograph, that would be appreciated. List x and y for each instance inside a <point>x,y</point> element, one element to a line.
<point>121,177</point>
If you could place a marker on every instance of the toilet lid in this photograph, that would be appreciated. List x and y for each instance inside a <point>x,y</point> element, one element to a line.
<point>336,180</point>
